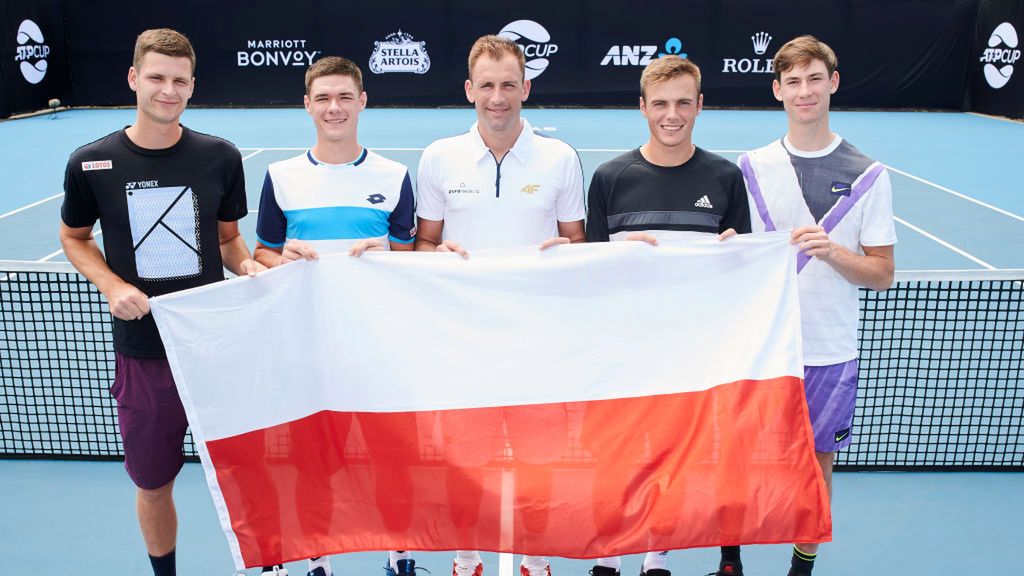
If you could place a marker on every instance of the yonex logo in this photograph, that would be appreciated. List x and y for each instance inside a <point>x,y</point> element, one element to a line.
<point>375,198</point>
<point>535,43</point>
<point>1004,34</point>
<point>31,52</point>
<point>840,189</point>
<point>531,188</point>
<point>703,203</point>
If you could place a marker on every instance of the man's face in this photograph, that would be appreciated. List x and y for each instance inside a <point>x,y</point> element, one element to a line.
<point>334,102</point>
<point>162,85</point>
<point>671,108</point>
<point>805,91</point>
<point>497,90</point>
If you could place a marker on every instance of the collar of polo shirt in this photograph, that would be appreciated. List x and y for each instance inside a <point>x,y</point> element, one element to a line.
<point>520,150</point>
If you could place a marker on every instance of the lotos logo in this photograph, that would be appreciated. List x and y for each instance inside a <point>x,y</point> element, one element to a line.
<point>1003,35</point>
<point>535,43</point>
<point>31,52</point>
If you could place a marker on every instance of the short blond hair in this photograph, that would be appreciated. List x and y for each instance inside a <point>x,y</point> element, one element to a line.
<point>334,66</point>
<point>163,41</point>
<point>801,51</point>
<point>668,67</point>
<point>496,48</point>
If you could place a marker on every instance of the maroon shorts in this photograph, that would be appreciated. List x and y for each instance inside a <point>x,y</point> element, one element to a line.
<point>152,420</point>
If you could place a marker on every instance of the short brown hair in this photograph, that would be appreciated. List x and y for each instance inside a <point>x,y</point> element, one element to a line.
<point>334,66</point>
<point>801,51</point>
<point>163,41</point>
<point>496,48</point>
<point>668,67</point>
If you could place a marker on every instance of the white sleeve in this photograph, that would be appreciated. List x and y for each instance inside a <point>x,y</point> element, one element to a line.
<point>569,206</point>
<point>430,198</point>
<point>756,223</point>
<point>877,227</point>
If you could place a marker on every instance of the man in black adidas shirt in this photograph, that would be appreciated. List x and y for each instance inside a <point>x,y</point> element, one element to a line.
<point>168,201</point>
<point>668,185</point>
<point>666,188</point>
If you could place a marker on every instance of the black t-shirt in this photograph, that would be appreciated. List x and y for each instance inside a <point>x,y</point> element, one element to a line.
<point>158,210</point>
<point>629,194</point>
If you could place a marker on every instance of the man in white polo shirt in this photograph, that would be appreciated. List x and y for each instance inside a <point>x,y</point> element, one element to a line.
<point>496,186</point>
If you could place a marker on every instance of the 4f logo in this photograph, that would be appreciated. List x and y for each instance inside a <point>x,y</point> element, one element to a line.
<point>531,188</point>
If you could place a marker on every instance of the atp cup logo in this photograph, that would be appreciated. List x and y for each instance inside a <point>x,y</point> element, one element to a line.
<point>535,43</point>
<point>31,52</point>
<point>1003,35</point>
<point>399,52</point>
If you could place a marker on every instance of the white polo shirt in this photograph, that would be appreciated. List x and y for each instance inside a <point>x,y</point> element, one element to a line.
<point>487,204</point>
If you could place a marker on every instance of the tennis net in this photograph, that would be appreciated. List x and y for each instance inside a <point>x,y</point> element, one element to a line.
<point>940,371</point>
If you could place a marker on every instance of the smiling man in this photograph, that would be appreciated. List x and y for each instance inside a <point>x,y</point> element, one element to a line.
<point>838,204</point>
<point>666,188</point>
<point>340,197</point>
<point>499,185</point>
<point>168,201</point>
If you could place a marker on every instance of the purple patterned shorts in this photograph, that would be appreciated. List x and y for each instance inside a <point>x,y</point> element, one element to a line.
<point>831,398</point>
<point>152,420</point>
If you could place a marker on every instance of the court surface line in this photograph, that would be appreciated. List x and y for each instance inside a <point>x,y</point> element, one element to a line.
<point>32,205</point>
<point>957,194</point>
<point>60,194</point>
<point>944,244</point>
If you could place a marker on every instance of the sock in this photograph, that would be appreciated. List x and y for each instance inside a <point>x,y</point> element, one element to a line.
<point>537,565</point>
<point>321,562</point>
<point>163,565</point>
<point>395,555</point>
<point>731,558</point>
<point>655,561</point>
<point>613,562</point>
<point>802,562</point>
<point>468,557</point>
<point>270,568</point>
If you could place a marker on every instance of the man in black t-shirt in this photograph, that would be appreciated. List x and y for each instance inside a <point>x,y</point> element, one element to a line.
<point>666,188</point>
<point>168,201</point>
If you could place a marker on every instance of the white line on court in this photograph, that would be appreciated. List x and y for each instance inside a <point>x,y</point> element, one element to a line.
<point>957,194</point>
<point>32,205</point>
<point>944,244</point>
<point>61,251</point>
<point>247,156</point>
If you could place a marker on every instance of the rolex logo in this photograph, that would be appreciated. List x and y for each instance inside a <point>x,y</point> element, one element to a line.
<point>761,41</point>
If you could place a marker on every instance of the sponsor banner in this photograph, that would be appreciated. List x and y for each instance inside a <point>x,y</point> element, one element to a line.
<point>32,56</point>
<point>996,84</point>
<point>532,427</point>
<point>414,53</point>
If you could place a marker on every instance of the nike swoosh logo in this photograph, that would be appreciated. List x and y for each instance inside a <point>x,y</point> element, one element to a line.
<point>838,190</point>
<point>840,438</point>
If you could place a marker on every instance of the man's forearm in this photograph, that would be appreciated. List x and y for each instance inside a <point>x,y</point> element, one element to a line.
<point>870,270</point>
<point>85,255</point>
<point>232,252</point>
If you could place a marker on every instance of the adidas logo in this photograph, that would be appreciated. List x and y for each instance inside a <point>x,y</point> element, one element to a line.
<point>704,203</point>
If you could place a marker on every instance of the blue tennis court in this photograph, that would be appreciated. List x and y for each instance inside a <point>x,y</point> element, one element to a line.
<point>958,202</point>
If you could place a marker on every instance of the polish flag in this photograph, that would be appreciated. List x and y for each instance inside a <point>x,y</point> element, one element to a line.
<point>580,402</point>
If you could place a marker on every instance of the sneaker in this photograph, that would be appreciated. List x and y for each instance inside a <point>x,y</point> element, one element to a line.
<point>458,570</point>
<point>275,570</point>
<point>727,569</point>
<point>655,572</point>
<point>603,571</point>
<point>406,567</point>
<point>318,571</point>
<point>524,571</point>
